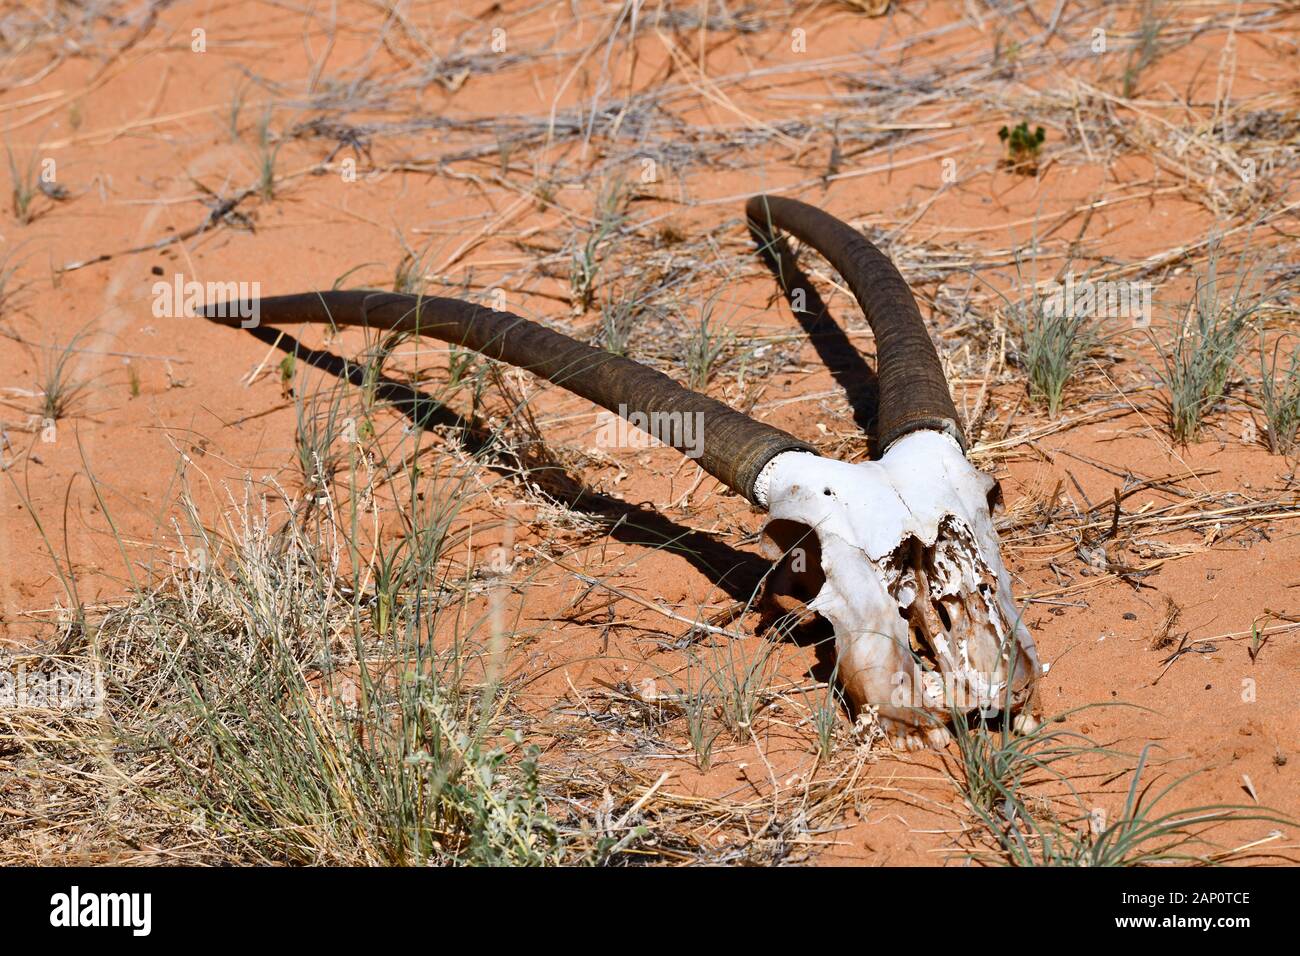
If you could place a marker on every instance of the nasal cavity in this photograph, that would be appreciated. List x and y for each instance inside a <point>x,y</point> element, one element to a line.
<point>943,616</point>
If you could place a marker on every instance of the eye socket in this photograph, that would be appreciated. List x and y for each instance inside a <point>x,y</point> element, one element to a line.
<point>797,549</point>
<point>995,497</point>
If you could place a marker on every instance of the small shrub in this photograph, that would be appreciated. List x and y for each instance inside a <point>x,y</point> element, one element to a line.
<point>1022,146</point>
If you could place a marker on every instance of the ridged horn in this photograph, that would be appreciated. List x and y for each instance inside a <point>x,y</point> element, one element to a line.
<point>735,447</point>
<point>913,389</point>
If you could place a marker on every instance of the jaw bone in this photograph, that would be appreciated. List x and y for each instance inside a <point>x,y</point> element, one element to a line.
<point>912,582</point>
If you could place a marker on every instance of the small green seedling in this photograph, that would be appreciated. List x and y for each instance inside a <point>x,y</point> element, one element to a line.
<point>1022,146</point>
<point>286,375</point>
<point>25,180</point>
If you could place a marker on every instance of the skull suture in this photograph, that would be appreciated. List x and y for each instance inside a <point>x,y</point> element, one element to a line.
<point>911,580</point>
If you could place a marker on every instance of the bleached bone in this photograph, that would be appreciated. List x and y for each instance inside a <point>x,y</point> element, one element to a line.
<point>908,570</point>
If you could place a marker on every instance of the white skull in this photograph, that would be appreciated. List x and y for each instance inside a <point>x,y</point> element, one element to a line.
<point>914,584</point>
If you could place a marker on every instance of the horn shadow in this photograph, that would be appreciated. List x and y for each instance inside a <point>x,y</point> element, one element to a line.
<point>737,573</point>
<point>841,358</point>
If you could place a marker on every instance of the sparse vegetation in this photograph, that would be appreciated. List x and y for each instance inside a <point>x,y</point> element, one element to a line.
<point>696,699</point>
<point>1022,146</point>
<point>326,663</point>
<point>318,439</point>
<point>706,345</point>
<point>8,287</point>
<point>59,389</point>
<point>585,266</point>
<point>1279,392</point>
<point>412,271</point>
<point>268,150</point>
<point>825,710</point>
<point>1052,341</point>
<point>293,731</point>
<point>24,184</point>
<point>1200,354</point>
<point>741,672</point>
<point>372,373</point>
<point>619,317</point>
<point>1146,46</point>
<point>235,110</point>
<point>998,771</point>
<point>287,367</point>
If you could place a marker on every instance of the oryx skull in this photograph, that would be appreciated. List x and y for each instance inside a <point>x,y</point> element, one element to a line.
<point>910,578</point>
<point>907,563</point>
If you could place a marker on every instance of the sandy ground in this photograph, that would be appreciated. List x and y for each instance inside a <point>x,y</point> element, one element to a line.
<point>416,127</point>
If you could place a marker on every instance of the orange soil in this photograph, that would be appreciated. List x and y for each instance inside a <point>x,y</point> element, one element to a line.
<point>150,130</point>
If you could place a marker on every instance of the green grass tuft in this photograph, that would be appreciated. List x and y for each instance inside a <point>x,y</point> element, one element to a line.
<point>1198,357</point>
<point>1279,394</point>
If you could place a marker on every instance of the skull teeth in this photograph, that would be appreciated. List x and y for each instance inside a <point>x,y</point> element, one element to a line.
<point>946,593</point>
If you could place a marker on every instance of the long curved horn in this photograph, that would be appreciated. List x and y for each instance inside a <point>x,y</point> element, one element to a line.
<point>913,390</point>
<point>735,447</point>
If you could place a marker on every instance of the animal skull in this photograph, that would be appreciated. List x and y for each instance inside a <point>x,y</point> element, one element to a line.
<point>909,570</point>
<point>907,564</point>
